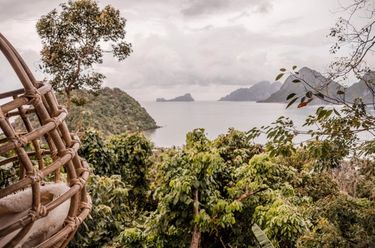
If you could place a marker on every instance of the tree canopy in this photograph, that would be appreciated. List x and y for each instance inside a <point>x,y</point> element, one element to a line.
<point>225,192</point>
<point>74,39</point>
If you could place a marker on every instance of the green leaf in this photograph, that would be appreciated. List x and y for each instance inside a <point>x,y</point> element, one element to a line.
<point>321,114</point>
<point>283,69</point>
<point>336,112</point>
<point>279,76</point>
<point>320,95</point>
<point>294,67</point>
<point>340,92</point>
<point>309,94</point>
<point>290,96</point>
<point>261,237</point>
<point>291,102</point>
<point>296,81</point>
<point>328,113</point>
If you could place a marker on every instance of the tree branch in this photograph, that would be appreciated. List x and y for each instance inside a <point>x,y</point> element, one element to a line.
<point>248,193</point>
<point>196,237</point>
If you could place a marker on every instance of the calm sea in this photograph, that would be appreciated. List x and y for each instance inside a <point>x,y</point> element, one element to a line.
<point>178,118</point>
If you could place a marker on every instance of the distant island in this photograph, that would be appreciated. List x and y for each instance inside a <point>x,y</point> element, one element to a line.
<point>185,98</point>
<point>267,92</point>
<point>257,92</point>
<point>315,79</point>
<point>327,86</point>
<point>361,89</point>
<point>276,92</point>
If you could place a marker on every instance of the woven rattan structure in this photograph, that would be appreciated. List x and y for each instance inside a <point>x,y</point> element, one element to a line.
<point>44,154</point>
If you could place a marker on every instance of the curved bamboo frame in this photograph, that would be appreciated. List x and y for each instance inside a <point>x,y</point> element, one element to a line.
<point>37,98</point>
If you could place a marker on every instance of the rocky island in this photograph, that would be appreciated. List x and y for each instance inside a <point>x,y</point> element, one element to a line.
<point>185,98</point>
<point>315,79</point>
<point>364,89</point>
<point>257,92</point>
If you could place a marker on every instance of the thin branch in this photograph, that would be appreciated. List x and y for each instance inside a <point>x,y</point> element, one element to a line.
<point>196,237</point>
<point>247,194</point>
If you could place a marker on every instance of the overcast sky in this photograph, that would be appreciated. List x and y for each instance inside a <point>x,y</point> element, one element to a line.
<point>204,47</point>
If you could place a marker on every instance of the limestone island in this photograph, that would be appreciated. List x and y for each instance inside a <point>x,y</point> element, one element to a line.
<point>185,98</point>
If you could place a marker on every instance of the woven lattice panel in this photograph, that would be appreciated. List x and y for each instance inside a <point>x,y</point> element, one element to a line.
<point>51,177</point>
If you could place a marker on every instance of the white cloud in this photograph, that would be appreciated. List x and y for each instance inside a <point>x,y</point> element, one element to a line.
<point>205,47</point>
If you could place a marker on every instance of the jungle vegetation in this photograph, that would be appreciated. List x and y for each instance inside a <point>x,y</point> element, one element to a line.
<point>109,110</point>
<point>210,193</point>
<point>232,192</point>
<point>75,37</point>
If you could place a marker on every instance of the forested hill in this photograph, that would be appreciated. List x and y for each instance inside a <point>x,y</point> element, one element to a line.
<point>111,111</point>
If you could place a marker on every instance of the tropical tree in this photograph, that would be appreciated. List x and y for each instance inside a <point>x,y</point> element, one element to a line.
<point>118,185</point>
<point>334,133</point>
<point>74,39</point>
<point>207,198</point>
<point>226,192</point>
<point>353,31</point>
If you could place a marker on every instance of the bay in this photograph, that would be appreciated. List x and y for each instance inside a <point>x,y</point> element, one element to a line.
<point>178,118</point>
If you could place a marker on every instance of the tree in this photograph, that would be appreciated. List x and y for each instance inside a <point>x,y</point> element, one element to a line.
<point>355,32</point>
<point>127,155</point>
<point>334,133</point>
<point>118,185</point>
<point>341,221</point>
<point>222,193</point>
<point>73,42</point>
<point>207,198</point>
<point>211,193</point>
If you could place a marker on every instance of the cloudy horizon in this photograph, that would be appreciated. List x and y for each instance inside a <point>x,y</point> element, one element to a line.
<point>206,48</point>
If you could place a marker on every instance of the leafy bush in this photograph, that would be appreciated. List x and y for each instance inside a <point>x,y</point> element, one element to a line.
<point>341,221</point>
<point>95,150</point>
<point>212,192</point>
<point>8,174</point>
<point>132,153</point>
<point>118,188</point>
<point>109,215</point>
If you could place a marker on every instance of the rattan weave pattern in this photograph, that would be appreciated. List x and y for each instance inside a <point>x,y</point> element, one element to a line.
<point>50,139</point>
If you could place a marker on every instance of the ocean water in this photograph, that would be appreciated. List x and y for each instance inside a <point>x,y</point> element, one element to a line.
<point>178,118</point>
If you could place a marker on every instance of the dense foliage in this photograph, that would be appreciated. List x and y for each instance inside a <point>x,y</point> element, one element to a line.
<point>111,111</point>
<point>119,188</point>
<point>230,191</point>
<point>212,193</point>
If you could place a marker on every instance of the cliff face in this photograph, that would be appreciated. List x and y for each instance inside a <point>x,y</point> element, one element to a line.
<point>257,92</point>
<point>362,89</point>
<point>185,98</point>
<point>314,78</point>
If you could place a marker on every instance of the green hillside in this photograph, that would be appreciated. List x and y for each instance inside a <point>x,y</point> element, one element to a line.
<point>111,111</point>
